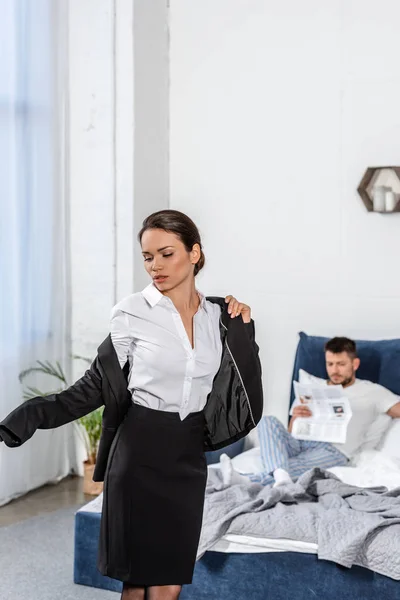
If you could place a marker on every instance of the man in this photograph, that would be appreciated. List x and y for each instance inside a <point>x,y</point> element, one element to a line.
<point>284,458</point>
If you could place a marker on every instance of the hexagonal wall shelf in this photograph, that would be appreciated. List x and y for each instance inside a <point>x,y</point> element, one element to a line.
<point>380,189</point>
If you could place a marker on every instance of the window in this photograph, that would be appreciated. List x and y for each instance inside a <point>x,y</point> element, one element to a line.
<point>27,185</point>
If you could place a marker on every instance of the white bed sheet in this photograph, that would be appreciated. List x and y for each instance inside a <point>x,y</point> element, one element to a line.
<point>249,544</point>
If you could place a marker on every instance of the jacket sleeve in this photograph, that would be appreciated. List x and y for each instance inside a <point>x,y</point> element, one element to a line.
<point>52,411</point>
<point>250,329</point>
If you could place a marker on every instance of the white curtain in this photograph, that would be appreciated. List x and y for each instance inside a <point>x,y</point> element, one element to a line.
<point>34,292</point>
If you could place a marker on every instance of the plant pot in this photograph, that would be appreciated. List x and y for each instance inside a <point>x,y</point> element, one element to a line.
<point>93,488</point>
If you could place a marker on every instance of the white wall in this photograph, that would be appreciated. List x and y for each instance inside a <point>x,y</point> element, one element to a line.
<point>276,110</point>
<point>95,183</point>
<point>118,75</point>
<point>151,102</point>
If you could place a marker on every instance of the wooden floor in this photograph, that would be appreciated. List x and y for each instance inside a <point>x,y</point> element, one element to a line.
<point>67,492</point>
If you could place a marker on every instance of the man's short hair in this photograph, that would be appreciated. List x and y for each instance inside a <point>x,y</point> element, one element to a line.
<point>341,344</point>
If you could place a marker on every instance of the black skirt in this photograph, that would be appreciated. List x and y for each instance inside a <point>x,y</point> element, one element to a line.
<point>153,498</point>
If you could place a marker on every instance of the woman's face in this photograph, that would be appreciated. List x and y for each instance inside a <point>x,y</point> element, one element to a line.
<point>166,259</point>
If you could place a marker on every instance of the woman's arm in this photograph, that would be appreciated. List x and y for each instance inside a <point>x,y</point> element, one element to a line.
<point>52,411</point>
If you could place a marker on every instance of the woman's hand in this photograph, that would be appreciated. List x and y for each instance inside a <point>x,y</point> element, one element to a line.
<point>236,308</point>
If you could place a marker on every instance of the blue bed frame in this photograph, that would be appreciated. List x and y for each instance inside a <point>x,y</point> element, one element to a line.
<point>284,576</point>
<point>271,575</point>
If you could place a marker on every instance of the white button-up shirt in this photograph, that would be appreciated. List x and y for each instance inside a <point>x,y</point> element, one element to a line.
<point>165,372</point>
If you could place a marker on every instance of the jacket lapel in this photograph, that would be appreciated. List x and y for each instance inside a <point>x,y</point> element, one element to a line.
<point>224,312</point>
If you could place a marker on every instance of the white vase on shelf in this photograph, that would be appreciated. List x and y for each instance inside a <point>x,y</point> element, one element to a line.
<point>379,198</point>
<point>390,200</point>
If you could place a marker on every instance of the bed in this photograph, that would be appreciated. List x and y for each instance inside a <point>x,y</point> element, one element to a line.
<point>289,571</point>
<point>246,567</point>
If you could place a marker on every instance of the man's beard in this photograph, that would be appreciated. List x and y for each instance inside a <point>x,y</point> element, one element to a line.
<point>345,382</point>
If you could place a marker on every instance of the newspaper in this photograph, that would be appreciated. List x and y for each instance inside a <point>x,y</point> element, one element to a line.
<point>331,413</point>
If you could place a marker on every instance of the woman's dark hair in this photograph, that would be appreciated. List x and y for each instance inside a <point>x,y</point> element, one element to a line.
<point>176,222</point>
<point>341,344</point>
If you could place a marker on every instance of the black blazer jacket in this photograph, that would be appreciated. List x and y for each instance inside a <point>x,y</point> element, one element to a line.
<point>234,405</point>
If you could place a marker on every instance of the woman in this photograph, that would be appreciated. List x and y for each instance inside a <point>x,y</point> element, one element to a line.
<point>179,374</point>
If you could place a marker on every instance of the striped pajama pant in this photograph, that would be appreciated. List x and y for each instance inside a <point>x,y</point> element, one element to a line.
<point>279,449</point>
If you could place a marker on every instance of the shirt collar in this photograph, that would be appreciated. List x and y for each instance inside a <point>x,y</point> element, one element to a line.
<point>153,296</point>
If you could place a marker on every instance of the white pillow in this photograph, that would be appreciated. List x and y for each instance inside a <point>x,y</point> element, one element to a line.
<point>245,462</point>
<point>390,443</point>
<point>305,377</point>
<point>248,461</point>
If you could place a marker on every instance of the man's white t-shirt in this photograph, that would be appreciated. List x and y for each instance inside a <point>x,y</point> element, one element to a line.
<point>369,403</point>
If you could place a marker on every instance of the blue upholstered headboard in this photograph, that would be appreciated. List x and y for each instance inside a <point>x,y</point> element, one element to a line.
<point>380,360</point>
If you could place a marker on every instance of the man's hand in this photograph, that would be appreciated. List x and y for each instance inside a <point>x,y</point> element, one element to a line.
<point>299,411</point>
<point>394,412</point>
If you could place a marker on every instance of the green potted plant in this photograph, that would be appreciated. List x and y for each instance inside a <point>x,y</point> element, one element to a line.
<point>88,426</point>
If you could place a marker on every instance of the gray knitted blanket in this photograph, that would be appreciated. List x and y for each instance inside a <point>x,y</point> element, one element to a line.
<point>351,525</point>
